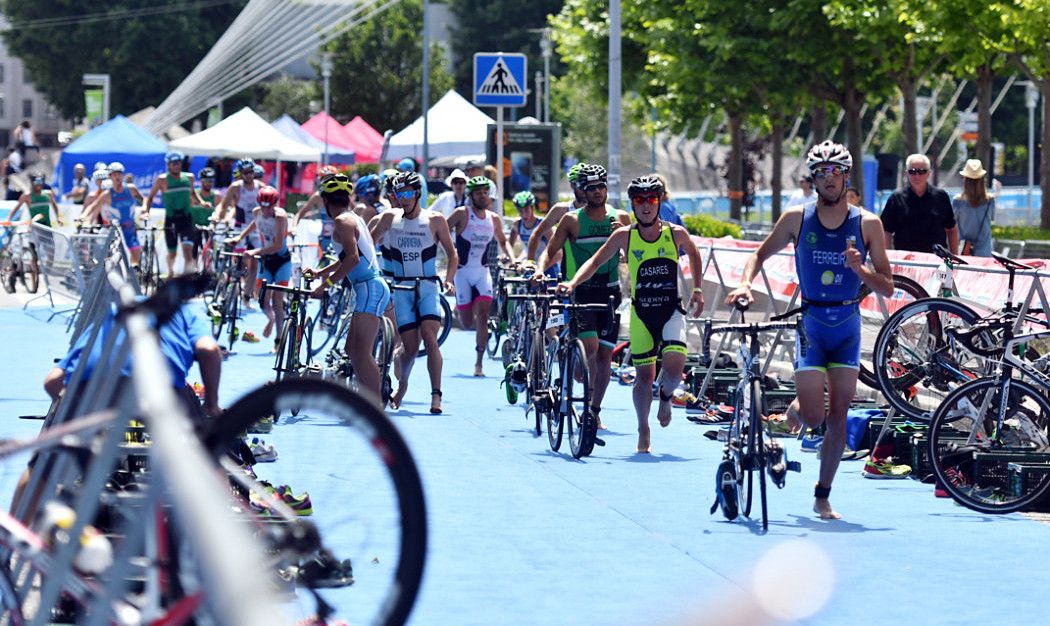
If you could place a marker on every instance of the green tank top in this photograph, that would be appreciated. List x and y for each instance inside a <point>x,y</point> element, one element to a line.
<point>593,234</point>
<point>653,269</point>
<point>40,204</point>
<point>201,214</point>
<point>177,197</point>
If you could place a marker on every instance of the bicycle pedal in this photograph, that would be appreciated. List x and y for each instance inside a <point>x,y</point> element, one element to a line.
<point>598,441</point>
<point>794,466</point>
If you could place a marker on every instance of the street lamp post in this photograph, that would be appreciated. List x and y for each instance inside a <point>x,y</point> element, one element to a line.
<point>326,74</point>
<point>1031,99</point>
<point>545,51</point>
<point>426,88</point>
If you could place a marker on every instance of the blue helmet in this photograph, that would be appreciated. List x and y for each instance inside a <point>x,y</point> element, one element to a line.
<point>406,165</point>
<point>173,156</point>
<point>367,184</point>
<point>259,171</point>
<point>246,164</point>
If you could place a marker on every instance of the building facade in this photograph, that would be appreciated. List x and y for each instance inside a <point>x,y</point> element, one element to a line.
<point>19,101</point>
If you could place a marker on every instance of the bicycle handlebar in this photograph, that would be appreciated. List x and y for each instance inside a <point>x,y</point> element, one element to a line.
<point>306,293</point>
<point>752,329</point>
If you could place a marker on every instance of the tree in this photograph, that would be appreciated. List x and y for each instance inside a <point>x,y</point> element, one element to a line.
<point>147,56</point>
<point>287,95</point>
<point>497,26</point>
<point>378,69</point>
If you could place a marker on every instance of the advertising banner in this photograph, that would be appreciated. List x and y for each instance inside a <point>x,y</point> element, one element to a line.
<point>531,154</point>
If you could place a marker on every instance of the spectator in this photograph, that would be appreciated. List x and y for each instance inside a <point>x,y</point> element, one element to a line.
<point>25,139</point>
<point>451,200</point>
<point>920,215</point>
<point>975,211</point>
<point>12,166</point>
<point>804,194</point>
<point>853,197</point>
<point>668,211</point>
<point>80,186</point>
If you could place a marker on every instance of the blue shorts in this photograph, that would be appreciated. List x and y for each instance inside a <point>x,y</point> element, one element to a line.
<point>370,296</point>
<point>829,344</point>
<point>410,310</point>
<point>275,269</point>
<point>131,235</point>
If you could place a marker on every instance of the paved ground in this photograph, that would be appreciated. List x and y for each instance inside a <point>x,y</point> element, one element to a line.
<point>519,534</point>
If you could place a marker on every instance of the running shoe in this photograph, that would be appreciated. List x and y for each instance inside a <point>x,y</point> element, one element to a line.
<point>262,427</point>
<point>262,452</point>
<point>300,504</point>
<point>250,337</point>
<point>682,398</point>
<point>811,442</point>
<point>885,469</point>
<point>198,390</point>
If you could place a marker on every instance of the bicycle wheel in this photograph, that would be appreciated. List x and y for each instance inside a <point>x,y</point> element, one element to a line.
<point>740,447</point>
<point>383,351</point>
<point>445,324</point>
<point>758,454</point>
<point>536,379</point>
<point>329,318</point>
<point>547,404</point>
<point>217,310</point>
<point>971,452</point>
<point>874,311</point>
<point>368,505</point>
<point>917,362</point>
<point>7,271</point>
<point>30,270</point>
<point>576,400</point>
<point>233,307</point>
<point>495,335</point>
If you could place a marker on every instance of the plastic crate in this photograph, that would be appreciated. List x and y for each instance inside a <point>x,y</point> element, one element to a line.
<point>777,400</point>
<point>722,380</point>
<point>1026,476</point>
<point>994,467</point>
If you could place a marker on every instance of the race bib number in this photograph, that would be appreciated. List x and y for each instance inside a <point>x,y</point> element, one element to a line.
<point>555,319</point>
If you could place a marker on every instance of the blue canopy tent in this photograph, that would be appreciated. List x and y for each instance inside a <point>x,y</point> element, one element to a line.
<point>117,140</point>
<point>291,129</point>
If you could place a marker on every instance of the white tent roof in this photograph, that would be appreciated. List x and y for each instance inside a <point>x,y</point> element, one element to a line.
<point>245,134</point>
<point>456,127</point>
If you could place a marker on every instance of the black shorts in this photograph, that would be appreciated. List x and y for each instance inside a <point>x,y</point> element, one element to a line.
<point>604,324</point>
<point>179,229</point>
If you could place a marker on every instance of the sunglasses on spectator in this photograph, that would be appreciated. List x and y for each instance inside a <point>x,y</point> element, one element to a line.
<point>918,171</point>
<point>650,200</point>
<point>596,187</point>
<point>828,170</point>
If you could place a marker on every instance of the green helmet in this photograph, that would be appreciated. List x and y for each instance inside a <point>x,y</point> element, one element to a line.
<point>477,182</point>
<point>574,170</point>
<point>524,199</point>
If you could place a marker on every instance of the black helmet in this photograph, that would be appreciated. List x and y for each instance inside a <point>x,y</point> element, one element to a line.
<point>645,185</point>
<point>206,173</point>
<point>407,180</point>
<point>591,173</point>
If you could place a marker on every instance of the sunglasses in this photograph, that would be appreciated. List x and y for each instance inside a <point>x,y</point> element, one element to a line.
<point>596,187</point>
<point>650,200</point>
<point>829,170</point>
<point>405,195</point>
<point>918,171</point>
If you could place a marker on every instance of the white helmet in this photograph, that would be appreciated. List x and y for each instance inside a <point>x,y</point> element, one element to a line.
<point>100,174</point>
<point>116,166</point>
<point>828,152</point>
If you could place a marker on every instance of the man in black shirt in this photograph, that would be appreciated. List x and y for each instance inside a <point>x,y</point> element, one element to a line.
<point>920,215</point>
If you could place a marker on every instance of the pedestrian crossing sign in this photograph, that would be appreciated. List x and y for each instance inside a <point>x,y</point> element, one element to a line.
<point>499,79</point>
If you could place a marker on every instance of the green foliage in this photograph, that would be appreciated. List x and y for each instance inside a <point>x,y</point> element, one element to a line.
<point>288,95</point>
<point>707,226</point>
<point>498,26</point>
<point>147,56</point>
<point>378,69</point>
<point>1021,233</point>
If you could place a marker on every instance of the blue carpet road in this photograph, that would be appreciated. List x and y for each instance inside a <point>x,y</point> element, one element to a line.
<point>521,535</point>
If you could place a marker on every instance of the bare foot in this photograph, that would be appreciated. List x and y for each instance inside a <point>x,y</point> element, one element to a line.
<point>822,507</point>
<point>663,413</point>
<point>479,371</point>
<point>644,445</point>
<point>435,402</point>
<point>395,400</point>
<point>268,329</point>
<point>397,362</point>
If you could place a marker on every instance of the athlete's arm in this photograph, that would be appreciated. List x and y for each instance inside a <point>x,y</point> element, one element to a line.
<point>346,228</point>
<point>23,200</point>
<point>513,234</point>
<point>497,230</point>
<point>281,228</point>
<point>148,202</point>
<point>135,193</point>
<point>683,241</point>
<point>194,194</point>
<point>233,194</point>
<point>312,203</point>
<point>92,209</point>
<point>244,233</point>
<point>783,232</point>
<point>379,225</point>
<point>881,279</point>
<point>439,226</point>
<point>54,205</point>
<point>616,242</point>
<point>568,226</point>
<point>454,220</point>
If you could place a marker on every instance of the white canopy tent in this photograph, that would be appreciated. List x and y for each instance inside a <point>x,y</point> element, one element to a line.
<point>245,134</point>
<point>456,127</point>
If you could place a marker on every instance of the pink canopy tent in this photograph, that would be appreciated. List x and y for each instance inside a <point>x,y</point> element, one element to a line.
<point>365,133</point>
<point>364,151</point>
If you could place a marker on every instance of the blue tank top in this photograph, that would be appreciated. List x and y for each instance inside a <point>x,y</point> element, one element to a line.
<point>123,206</point>
<point>820,262</point>
<point>524,232</point>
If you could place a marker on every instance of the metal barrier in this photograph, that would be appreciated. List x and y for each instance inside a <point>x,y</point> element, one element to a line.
<point>65,261</point>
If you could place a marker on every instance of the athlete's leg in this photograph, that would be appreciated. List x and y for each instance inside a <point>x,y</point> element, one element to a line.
<point>842,385</point>
<point>189,259</point>
<point>809,386</point>
<point>429,330</point>
<point>406,357</point>
<point>276,301</point>
<point>136,256</point>
<point>643,400</point>
<point>600,368</point>
<point>481,307</point>
<point>673,364</point>
<point>359,342</point>
<point>252,265</point>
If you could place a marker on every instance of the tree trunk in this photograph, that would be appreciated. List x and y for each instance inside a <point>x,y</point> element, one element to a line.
<point>1044,156</point>
<point>909,88</point>
<point>735,168</point>
<point>819,123</point>
<point>777,155</point>
<point>854,136</point>
<point>983,150</point>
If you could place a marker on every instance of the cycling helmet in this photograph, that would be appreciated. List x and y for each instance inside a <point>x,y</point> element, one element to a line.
<point>524,199</point>
<point>38,179</point>
<point>591,173</point>
<point>406,180</point>
<point>645,185</point>
<point>258,171</point>
<point>336,184</point>
<point>116,166</point>
<point>477,182</point>
<point>206,173</point>
<point>174,156</point>
<point>406,165</point>
<point>367,184</point>
<point>828,152</point>
<point>386,179</point>
<point>246,164</point>
<point>100,174</point>
<point>327,170</point>
<point>267,196</point>
<point>574,170</point>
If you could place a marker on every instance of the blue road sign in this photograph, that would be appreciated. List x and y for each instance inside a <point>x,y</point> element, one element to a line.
<point>499,79</point>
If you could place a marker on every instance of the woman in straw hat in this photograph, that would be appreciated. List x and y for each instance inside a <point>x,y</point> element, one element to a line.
<point>975,211</point>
